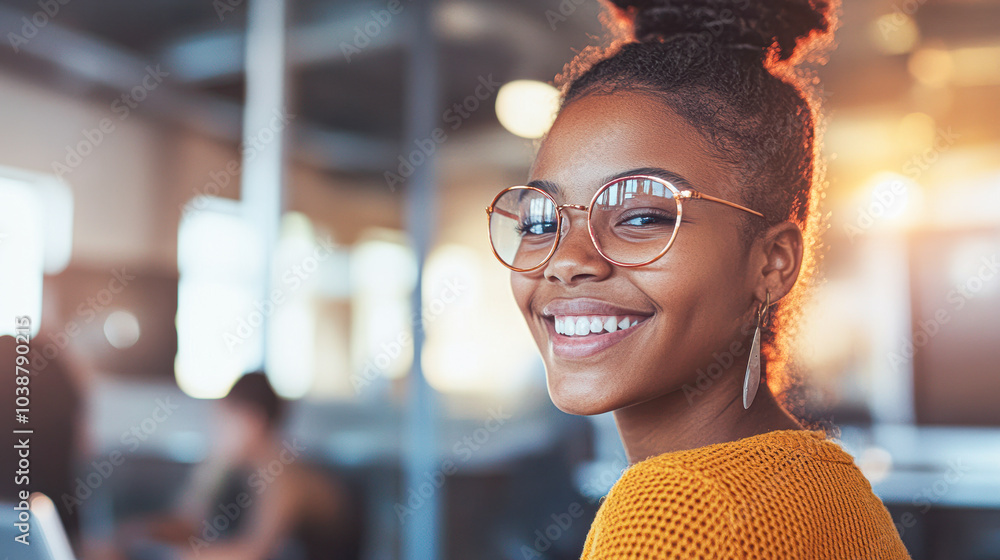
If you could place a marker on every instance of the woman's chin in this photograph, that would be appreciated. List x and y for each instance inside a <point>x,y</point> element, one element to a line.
<point>582,394</point>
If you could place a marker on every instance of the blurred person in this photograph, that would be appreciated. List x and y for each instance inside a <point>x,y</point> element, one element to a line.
<point>659,255</point>
<point>255,498</point>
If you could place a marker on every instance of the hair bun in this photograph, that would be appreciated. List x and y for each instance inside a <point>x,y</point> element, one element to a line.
<point>753,24</point>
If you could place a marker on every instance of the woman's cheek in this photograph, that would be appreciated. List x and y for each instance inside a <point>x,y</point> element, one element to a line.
<point>522,288</point>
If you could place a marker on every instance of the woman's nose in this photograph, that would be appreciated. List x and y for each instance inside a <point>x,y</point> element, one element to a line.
<point>576,259</point>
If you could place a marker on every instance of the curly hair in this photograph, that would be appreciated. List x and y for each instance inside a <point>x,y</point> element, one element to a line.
<point>734,70</point>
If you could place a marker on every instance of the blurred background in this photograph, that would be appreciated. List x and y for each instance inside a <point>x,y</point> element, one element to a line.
<point>194,190</point>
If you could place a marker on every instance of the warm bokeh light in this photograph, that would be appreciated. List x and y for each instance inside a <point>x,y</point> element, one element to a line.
<point>977,66</point>
<point>291,334</point>
<point>497,358</point>
<point>383,274</point>
<point>218,320</point>
<point>894,33</point>
<point>876,464</point>
<point>862,136</point>
<point>57,200</point>
<point>527,107</point>
<point>121,328</point>
<point>892,199</point>
<point>932,67</point>
<point>916,132</point>
<point>21,253</point>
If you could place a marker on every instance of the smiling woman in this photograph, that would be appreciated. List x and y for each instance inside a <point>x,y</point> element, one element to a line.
<point>631,284</point>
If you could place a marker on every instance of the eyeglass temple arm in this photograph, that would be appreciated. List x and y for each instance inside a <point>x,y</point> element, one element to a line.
<point>696,194</point>
<point>685,194</point>
<point>501,212</point>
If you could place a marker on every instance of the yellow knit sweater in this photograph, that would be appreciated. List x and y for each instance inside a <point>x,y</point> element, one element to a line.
<point>788,494</point>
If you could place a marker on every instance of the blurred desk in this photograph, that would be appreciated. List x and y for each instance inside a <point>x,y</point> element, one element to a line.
<point>925,466</point>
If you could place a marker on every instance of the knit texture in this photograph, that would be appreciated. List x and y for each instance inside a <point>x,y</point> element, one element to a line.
<point>787,494</point>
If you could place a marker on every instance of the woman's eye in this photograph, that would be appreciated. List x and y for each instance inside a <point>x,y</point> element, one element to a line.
<point>536,228</point>
<point>646,220</point>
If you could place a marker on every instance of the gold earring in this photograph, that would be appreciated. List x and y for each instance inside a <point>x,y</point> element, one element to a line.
<point>751,381</point>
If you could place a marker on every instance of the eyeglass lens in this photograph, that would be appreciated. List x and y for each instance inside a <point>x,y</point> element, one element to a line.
<point>633,220</point>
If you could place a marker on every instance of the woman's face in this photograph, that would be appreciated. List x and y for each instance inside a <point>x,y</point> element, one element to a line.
<point>691,302</point>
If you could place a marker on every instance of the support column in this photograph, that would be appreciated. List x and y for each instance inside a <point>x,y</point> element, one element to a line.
<point>421,532</point>
<point>264,123</point>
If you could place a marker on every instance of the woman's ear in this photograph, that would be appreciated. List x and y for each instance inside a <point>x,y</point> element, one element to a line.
<point>779,253</point>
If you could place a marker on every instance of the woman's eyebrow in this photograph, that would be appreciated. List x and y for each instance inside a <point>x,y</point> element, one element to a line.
<point>547,186</point>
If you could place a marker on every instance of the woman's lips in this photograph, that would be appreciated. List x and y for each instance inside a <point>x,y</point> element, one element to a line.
<point>594,337</point>
<point>580,306</point>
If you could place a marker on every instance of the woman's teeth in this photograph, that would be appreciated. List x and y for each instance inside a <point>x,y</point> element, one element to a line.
<point>593,324</point>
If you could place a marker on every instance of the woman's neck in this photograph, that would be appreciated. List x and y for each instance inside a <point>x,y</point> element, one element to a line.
<point>695,417</point>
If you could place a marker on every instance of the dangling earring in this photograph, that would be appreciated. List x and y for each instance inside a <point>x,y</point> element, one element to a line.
<point>751,381</point>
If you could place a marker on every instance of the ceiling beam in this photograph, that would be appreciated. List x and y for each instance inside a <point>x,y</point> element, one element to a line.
<point>360,29</point>
<point>98,62</point>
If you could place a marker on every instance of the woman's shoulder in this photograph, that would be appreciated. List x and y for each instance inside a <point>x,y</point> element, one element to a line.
<point>739,471</point>
<point>770,468</point>
<point>791,487</point>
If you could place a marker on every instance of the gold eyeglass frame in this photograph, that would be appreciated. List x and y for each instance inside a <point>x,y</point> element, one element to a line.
<point>679,197</point>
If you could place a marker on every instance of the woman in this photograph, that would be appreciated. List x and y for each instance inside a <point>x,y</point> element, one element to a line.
<point>656,257</point>
<point>258,497</point>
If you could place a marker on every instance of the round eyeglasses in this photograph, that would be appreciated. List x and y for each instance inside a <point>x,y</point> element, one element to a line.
<point>632,221</point>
